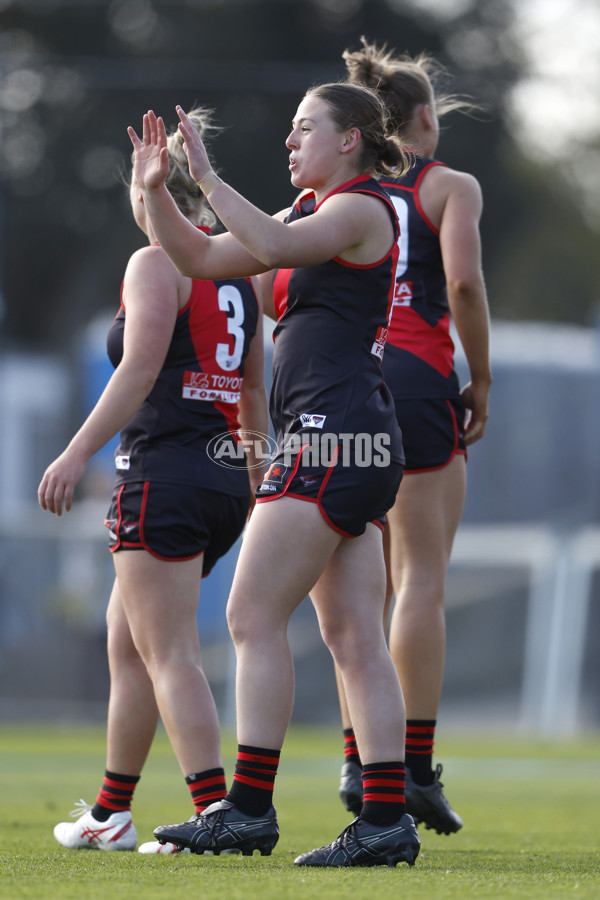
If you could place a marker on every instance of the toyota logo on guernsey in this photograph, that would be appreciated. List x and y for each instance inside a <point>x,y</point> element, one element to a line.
<point>229,450</point>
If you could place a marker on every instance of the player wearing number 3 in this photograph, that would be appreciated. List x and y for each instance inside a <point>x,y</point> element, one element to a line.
<point>188,359</point>
<point>438,274</point>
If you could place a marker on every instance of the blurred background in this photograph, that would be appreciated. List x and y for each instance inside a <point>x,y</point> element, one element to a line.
<point>523,589</point>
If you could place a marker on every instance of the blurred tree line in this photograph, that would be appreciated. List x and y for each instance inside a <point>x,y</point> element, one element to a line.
<point>75,73</point>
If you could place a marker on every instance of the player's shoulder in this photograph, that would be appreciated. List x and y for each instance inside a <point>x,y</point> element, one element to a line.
<point>150,261</point>
<point>454,178</point>
<point>443,183</point>
<point>151,255</point>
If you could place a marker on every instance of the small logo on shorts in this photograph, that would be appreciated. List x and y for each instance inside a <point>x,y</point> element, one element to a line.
<point>312,420</point>
<point>307,480</point>
<point>122,462</point>
<point>267,487</point>
<point>128,527</point>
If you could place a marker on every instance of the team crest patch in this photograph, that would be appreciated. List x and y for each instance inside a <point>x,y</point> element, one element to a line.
<point>309,420</point>
<point>275,473</point>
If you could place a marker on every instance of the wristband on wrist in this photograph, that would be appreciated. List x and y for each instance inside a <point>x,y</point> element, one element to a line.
<point>209,182</point>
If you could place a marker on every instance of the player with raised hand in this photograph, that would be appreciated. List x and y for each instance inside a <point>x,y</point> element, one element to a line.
<point>188,358</point>
<point>317,524</point>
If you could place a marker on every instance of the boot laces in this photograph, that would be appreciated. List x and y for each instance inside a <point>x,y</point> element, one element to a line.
<point>81,808</point>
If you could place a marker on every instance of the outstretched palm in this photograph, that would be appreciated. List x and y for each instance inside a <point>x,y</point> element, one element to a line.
<point>150,158</point>
<point>194,148</point>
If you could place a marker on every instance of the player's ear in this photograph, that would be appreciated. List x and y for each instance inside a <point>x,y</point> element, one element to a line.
<point>350,140</point>
<point>427,116</point>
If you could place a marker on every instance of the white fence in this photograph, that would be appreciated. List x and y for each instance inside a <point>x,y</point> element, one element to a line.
<point>559,591</point>
<point>560,582</point>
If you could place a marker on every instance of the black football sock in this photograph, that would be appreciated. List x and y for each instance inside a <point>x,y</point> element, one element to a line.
<point>206,787</point>
<point>351,753</point>
<point>115,795</point>
<point>420,735</point>
<point>254,779</point>
<point>383,793</point>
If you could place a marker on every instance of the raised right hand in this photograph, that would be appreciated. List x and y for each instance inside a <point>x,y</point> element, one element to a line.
<point>193,145</point>
<point>150,157</point>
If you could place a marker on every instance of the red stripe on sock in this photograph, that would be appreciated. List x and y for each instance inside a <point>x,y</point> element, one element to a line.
<point>383,798</point>
<point>383,782</point>
<point>206,782</point>
<point>120,785</point>
<point>264,760</point>
<point>214,795</point>
<point>254,782</point>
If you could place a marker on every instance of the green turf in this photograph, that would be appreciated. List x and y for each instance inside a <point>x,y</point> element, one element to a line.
<point>531,812</point>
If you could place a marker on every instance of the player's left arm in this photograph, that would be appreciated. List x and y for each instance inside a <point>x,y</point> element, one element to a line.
<point>460,245</point>
<point>151,300</point>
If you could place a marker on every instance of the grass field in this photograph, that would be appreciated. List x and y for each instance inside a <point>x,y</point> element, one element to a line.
<point>531,812</point>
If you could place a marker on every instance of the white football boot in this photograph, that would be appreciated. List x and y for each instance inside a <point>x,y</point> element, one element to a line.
<point>87,833</point>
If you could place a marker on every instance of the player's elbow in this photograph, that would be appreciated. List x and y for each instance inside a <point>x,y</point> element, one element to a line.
<point>464,287</point>
<point>278,249</point>
<point>147,376</point>
<point>271,255</point>
<point>253,388</point>
<point>190,267</point>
